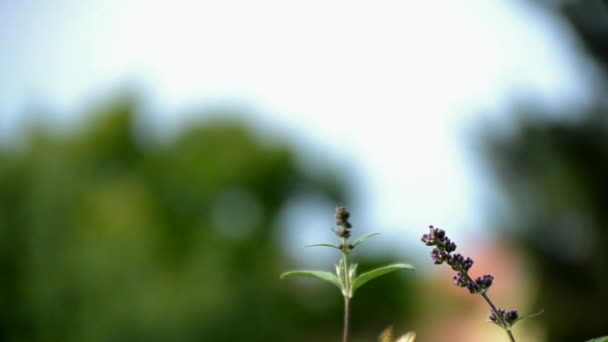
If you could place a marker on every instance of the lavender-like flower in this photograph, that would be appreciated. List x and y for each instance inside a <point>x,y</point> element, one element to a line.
<point>442,252</point>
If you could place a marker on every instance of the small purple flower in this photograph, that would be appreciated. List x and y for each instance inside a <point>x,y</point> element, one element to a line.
<point>481,284</point>
<point>454,261</point>
<point>458,262</point>
<point>438,256</point>
<point>448,245</point>
<point>428,239</point>
<point>511,316</point>
<point>460,280</point>
<point>473,287</point>
<point>435,237</point>
<point>439,233</point>
<point>485,282</point>
<point>467,264</point>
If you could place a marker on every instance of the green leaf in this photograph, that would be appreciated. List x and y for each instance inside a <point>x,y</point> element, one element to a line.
<point>363,238</point>
<point>325,276</point>
<point>599,339</point>
<point>324,245</point>
<point>528,316</point>
<point>367,276</point>
<point>352,272</point>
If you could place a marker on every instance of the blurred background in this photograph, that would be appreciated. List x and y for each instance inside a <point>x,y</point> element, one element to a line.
<point>162,163</point>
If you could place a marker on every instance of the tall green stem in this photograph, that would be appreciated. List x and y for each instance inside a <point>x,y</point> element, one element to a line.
<point>346,318</point>
<point>347,284</point>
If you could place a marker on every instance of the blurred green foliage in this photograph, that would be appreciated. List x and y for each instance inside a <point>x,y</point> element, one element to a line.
<point>555,173</point>
<point>105,236</point>
<point>556,176</point>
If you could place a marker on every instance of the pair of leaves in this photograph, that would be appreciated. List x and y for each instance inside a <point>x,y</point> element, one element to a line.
<point>358,242</point>
<point>350,285</point>
<point>357,282</point>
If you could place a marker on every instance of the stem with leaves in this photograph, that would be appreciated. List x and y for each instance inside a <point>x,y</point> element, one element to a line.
<point>346,278</point>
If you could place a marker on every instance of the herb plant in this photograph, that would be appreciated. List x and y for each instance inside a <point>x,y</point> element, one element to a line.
<point>346,278</point>
<point>442,252</point>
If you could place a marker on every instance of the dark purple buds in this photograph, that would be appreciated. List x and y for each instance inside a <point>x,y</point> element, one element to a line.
<point>510,317</point>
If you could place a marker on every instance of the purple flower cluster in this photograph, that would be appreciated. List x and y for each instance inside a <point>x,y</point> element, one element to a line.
<point>510,317</point>
<point>443,253</point>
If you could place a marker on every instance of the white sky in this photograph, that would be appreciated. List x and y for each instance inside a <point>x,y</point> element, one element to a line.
<point>393,87</point>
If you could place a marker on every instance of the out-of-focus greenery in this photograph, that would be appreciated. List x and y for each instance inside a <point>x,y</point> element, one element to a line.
<point>108,236</point>
<point>555,173</point>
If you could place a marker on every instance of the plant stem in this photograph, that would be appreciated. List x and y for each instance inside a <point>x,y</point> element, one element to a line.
<point>346,334</point>
<point>346,318</point>
<point>346,277</point>
<point>497,314</point>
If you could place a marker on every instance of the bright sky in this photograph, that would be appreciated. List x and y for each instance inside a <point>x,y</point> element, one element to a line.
<point>393,88</point>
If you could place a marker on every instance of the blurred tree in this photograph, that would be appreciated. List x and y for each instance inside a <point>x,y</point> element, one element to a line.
<point>106,238</point>
<point>555,173</point>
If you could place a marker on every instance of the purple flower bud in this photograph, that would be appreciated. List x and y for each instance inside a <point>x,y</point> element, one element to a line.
<point>467,264</point>
<point>439,233</point>
<point>434,237</point>
<point>481,284</point>
<point>438,256</point>
<point>455,261</point>
<point>428,239</point>
<point>449,246</point>
<point>485,281</point>
<point>458,262</point>
<point>460,280</point>
<point>496,319</point>
<point>473,287</point>
<point>511,316</point>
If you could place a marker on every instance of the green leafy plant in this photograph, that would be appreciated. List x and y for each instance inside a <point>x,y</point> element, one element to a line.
<point>346,278</point>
